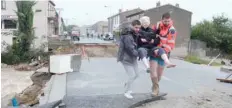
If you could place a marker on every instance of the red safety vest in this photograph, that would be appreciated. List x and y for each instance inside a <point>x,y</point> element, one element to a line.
<point>167,36</point>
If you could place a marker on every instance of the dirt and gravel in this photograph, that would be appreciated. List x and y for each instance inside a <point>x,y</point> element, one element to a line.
<point>211,98</point>
<point>13,82</point>
<point>24,85</point>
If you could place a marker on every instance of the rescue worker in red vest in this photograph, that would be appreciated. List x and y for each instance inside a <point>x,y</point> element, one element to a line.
<point>167,34</point>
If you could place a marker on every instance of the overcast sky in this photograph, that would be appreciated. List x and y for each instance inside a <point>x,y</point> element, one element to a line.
<point>85,12</point>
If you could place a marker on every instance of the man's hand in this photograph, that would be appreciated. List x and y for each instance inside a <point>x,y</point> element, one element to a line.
<point>156,52</point>
<point>152,41</point>
<point>157,35</point>
<point>143,40</point>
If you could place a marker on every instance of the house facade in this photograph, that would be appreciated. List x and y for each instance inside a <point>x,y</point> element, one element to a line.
<point>117,21</point>
<point>132,17</point>
<point>100,27</point>
<point>182,23</point>
<point>85,29</point>
<point>45,21</point>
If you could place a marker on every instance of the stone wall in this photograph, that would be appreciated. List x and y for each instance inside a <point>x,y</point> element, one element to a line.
<point>197,48</point>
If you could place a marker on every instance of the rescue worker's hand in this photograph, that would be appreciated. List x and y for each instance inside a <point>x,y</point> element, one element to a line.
<point>152,41</point>
<point>143,40</point>
<point>157,35</point>
<point>156,52</point>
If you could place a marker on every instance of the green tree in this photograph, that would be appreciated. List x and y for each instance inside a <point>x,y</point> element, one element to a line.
<point>216,33</point>
<point>70,27</point>
<point>25,27</point>
<point>21,49</point>
<point>25,23</point>
<point>63,24</point>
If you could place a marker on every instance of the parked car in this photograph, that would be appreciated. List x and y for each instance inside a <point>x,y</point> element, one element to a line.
<point>108,36</point>
<point>75,35</point>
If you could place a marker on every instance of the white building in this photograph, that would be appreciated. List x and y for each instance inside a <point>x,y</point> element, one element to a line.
<point>85,29</point>
<point>100,27</point>
<point>113,23</point>
<point>45,21</point>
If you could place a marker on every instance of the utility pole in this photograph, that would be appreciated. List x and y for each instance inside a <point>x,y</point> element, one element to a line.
<point>59,20</point>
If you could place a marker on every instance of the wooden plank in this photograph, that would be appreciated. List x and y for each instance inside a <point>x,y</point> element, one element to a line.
<point>225,80</point>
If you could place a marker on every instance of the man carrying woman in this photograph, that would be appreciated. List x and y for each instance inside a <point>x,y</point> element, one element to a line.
<point>167,34</point>
<point>148,41</point>
<point>159,42</point>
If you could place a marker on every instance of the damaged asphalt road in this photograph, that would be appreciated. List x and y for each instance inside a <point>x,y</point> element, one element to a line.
<point>100,83</point>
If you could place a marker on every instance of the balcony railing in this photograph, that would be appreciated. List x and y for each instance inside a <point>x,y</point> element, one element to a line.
<point>8,32</point>
<point>51,14</point>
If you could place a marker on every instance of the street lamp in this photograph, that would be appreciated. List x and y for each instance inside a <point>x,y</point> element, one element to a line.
<point>109,9</point>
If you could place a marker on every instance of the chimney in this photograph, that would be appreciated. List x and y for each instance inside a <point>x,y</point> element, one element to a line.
<point>177,5</point>
<point>120,10</point>
<point>158,4</point>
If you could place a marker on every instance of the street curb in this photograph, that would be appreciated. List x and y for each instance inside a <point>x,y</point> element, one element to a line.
<point>51,105</point>
<point>58,90</point>
<point>55,90</point>
<point>44,99</point>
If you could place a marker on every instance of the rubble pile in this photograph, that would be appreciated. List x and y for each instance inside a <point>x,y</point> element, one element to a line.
<point>4,65</point>
<point>226,62</point>
<point>101,51</point>
<point>89,50</point>
<point>32,66</point>
<point>29,96</point>
<point>67,50</point>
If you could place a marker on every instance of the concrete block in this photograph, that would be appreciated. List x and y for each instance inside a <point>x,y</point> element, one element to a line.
<point>65,63</point>
<point>227,69</point>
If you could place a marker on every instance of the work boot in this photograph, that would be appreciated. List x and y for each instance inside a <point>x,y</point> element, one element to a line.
<point>148,70</point>
<point>155,87</point>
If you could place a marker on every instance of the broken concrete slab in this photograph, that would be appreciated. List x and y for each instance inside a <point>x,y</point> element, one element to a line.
<point>51,105</point>
<point>227,69</point>
<point>34,63</point>
<point>108,101</point>
<point>58,90</point>
<point>55,89</point>
<point>46,91</point>
<point>40,78</point>
<point>43,69</point>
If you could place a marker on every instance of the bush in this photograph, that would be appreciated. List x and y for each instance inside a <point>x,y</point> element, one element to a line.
<point>20,50</point>
<point>14,55</point>
<point>10,58</point>
<point>216,33</point>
